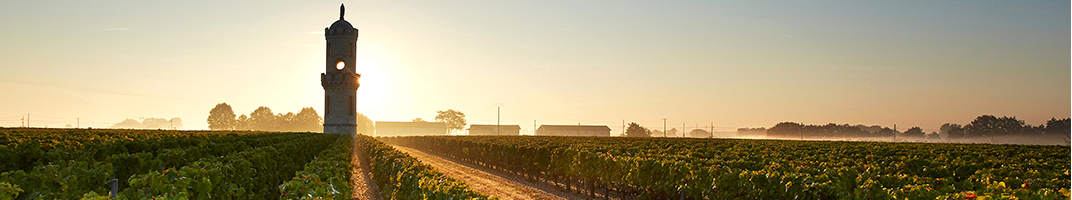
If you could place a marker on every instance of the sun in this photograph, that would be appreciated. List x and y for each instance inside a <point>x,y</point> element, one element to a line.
<point>340,65</point>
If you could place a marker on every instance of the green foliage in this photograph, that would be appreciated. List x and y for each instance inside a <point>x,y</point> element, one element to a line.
<point>988,125</point>
<point>400,176</point>
<point>635,130</point>
<point>221,117</point>
<point>77,163</point>
<point>9,191</point>
<point>250,174</point>
<point>455,119</point>
<point>326,177</point>
<point>1058,126</point>
<point>914,132</point>
<point>57,181</point>
<point>665,168</point>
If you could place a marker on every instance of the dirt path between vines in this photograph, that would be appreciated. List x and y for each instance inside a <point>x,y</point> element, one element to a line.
<point>364,187</point>
<point>490,182</point>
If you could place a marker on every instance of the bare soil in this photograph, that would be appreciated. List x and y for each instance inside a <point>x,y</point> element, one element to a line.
<point>492,182</point>
<point>363,186</point>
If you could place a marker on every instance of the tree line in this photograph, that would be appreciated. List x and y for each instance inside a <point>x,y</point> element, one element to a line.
<point>222,117</point>
<point>982,126</point>
<point>635,130</point>
<point>150,123</point>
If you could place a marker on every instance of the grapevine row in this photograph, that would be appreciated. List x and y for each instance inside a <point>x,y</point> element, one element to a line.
<point>69,179</point>
<point>661,168</point>
<point>24,148</point>
<point>250,174</point>
<point>326,177</point>
<point>400,176</point>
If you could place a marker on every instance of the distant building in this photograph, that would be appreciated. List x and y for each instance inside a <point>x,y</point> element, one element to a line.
<point>489,129</point>
<point>388,129</point>
<point>574,130</point>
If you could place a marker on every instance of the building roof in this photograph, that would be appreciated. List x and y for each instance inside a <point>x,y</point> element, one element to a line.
<point>576,127</point>
<point>492,126</point>
<point>340,27</point>
<point>389,124</point>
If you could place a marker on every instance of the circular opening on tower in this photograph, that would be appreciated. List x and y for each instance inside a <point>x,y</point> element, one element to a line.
<point>340,65</point>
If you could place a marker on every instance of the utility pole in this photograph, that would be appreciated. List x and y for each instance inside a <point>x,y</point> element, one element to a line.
<point>894,132</point>
<point>623,127</point>
<point>534,127</point>
<point>712,129</point>
<point>498,120</point>
<point>77,123</point>
<point>22,121</point>
<point>682,129</point>
<point>27,119</point>
<point>498,117</point>
<point>664,127</point>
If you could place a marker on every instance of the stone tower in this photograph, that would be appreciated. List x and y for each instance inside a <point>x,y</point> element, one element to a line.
<point>339,79</point>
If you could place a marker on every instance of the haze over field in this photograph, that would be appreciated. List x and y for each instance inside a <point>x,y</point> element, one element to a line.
<point>730,64</point>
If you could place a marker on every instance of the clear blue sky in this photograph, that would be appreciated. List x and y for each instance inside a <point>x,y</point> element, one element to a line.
<point>728,63</point>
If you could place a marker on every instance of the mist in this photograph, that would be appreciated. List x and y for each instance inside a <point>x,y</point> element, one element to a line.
<point>1057,140</point>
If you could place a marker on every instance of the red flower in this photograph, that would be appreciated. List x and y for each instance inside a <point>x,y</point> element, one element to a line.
<point>970,196</point>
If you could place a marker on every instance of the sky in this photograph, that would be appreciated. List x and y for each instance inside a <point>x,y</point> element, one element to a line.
<point>726,64</point>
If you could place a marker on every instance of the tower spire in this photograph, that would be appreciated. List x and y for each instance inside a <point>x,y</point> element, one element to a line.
<point>342,10</point>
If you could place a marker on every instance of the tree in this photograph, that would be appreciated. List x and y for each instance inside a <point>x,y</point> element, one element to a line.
<point>699,133</point>
<point>934,135</point>
<point>455,119</point>
<point>884,132</point>
<point>988,125</point>
<point>635,130</point>
<point>914,132</point>
<point>656,133</point>
<point>1058,126</point>
<point>672,132</point>
<point>129,123</point>
<point>286,122</point>
<point>221,117</point>
<point>418,120</point>
<point>952,130</point>
<point>176,123</point>
<point>786,129</point>
<point>262,119</point>
<point>242,123</point>
<point>155,123</point>
<point>308,120</point>
<point>365,125</point>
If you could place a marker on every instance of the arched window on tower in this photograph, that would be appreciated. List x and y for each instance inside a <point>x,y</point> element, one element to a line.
<point>327,105</point>
<point>352,102</point>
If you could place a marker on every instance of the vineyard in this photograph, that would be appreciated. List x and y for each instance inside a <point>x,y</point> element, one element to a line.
<point>665,168</point>
<point>75,163</point>
<point>159,164</point>
<point>400,176</point>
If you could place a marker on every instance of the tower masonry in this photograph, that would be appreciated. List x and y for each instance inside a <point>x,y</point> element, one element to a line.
<point>339,79</point>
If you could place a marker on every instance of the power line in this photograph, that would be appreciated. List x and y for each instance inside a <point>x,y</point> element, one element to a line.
<point>90,89</point>
<point>107,91</point>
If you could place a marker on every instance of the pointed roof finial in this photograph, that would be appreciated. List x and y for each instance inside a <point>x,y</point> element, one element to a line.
<point>342,10</point>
